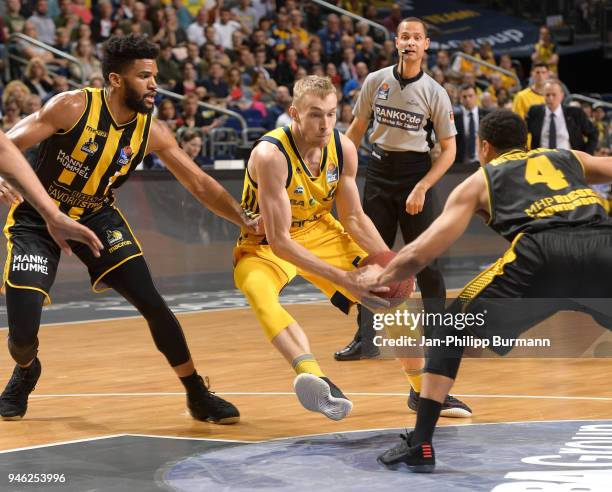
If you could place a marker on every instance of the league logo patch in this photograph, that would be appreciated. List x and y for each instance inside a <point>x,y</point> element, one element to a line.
<point>383,92</point>
<point>113,237</point>
<point>332,173</point>
<point>299,190</point>
<point>125,155</point>
<point>90,147</point>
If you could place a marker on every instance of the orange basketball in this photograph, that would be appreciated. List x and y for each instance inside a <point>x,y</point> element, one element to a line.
<point>398,291</point>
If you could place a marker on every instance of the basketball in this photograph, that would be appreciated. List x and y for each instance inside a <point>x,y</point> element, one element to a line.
<point>398,291</point>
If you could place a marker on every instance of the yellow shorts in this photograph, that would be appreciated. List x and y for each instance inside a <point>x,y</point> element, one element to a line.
<point>261,275</point>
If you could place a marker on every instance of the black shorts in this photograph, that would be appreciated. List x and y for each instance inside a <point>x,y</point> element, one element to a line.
<point>33,256</point>
<point>563,269</point>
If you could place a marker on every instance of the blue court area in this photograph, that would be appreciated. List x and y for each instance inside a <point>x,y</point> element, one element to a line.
<point>561,455</point>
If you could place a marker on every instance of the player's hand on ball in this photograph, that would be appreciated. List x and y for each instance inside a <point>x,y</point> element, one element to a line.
<point>362,283</point>
<point>8,195</point>
<point>254,225</point>
<point>416,199</point>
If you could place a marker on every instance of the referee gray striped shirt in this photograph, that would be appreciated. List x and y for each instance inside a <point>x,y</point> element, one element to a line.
<point>405,114</point>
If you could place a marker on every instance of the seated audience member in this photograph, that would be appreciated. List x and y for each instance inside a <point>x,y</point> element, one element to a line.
<point>12,114</point>
<point>345,117</point>
<point>191,143</point>
<point>166,112</point>
<point>18,91</point>
<point>89,63</point>
<point>215,83</point>
<point>37,77</point>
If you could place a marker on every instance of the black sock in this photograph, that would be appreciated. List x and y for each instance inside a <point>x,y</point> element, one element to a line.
<point>192,383</point>
<point>427,417</point>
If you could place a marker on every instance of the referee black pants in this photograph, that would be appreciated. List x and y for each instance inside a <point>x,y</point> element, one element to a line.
<point>390,177</point>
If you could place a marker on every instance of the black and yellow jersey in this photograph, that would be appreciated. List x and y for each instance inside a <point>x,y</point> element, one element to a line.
<point>540,189</point>
<point>80,166</point>
<point>310,196</point>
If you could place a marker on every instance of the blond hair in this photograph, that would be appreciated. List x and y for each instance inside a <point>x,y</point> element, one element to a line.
<point>30,68</point>
<point>312,84</point>
<point>12,88</point>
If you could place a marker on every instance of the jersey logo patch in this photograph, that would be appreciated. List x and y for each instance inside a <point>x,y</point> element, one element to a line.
<point>383,92</point>
<point>332,173</point>
<point>113,237</point>
<point>125,155</point>
<point>90,147</point>
<point>299,190</point>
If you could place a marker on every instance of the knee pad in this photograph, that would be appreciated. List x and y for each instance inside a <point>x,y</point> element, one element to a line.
<point>22,354</point>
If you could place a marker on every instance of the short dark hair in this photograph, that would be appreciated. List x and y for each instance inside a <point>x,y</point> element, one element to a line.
<point>465,87</point>
<point>539,64</point>
<point>413,19</point>
<point>121,51</point>
<point>504,130</point>
<point>189,134</point>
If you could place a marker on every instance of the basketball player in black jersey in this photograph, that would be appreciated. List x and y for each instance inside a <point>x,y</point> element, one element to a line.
<point>16,171</point>
<point>90,142</point>
<point>560,257</point>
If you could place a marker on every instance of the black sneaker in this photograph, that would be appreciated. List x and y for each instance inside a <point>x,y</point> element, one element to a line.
<point>452,407</point>
<point>355,350</point>
<point>14,399</point>
<point>204,405</point>
<point>419,458</point>
<point>321,395</point>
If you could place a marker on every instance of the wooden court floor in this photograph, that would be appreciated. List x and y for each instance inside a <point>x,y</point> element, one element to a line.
<point>105,377</point>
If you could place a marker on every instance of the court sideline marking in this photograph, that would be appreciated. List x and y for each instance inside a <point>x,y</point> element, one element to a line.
<point>288,393</point>
<point>302,436</point>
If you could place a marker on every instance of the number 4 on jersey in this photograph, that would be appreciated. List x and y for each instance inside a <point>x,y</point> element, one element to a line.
<point>540,170</point>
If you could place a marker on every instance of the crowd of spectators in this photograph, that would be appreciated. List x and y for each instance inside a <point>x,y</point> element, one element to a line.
<point>245,56</point>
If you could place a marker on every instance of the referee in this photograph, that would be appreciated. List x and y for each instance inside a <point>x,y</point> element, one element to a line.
<point>407,106</point>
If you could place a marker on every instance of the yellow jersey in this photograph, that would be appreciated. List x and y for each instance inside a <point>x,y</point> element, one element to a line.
<point>81,166</point>
<point>524,100</point>
<point>311,197</point>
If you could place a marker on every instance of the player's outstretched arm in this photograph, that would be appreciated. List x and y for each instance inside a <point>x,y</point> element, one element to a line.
<point>270,172</point>
<point>206,189</point>
<point>598,170</point>
<point>20,179</point>
<point>468,198</point>
<point>348,204</point>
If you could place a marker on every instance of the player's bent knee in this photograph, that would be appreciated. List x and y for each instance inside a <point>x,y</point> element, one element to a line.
<point>22,353</point>
<point>263,299</point>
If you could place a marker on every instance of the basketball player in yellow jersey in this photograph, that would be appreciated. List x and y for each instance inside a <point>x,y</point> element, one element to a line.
<point>91,140</point>
<point>293,177</point>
